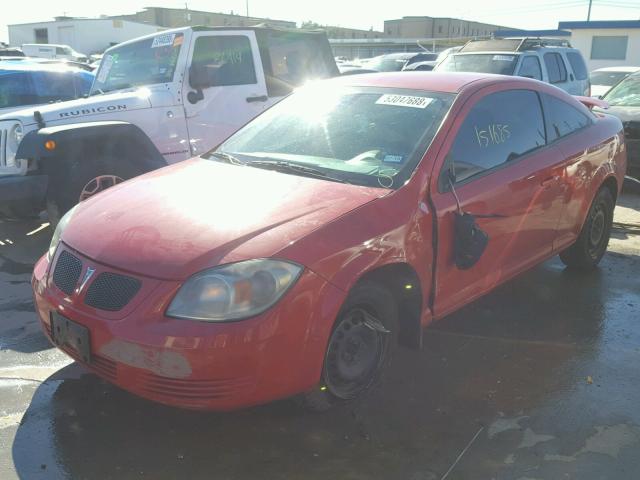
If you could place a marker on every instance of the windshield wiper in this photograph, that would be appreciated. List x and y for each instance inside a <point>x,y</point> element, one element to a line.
<point>290,167</point>
<point>227,157</point>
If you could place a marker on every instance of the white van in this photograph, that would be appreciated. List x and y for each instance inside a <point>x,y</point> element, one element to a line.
<point>50,50</point>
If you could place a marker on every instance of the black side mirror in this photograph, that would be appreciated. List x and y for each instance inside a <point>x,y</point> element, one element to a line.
<point>470,241</point>
<point>200,77</point>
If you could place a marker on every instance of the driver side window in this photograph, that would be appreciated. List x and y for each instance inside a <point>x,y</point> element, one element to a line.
<point>229,57</point>
<point>498,129</point>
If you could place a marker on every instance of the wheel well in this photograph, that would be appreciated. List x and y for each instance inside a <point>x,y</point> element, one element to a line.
<point>403,283</point>
<point>612,185</point>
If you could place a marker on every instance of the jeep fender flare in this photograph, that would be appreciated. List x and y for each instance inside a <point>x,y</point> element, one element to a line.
<point>56,147</point>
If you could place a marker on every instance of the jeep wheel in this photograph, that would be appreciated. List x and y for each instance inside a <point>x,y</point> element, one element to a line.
<point>84,181</point>
<point>359,349</point>
<point>592,242</point>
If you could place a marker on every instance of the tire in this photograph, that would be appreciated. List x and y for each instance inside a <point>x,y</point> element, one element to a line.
<point>359,349</point>
<point>82,180</point>
<point>589,248</point>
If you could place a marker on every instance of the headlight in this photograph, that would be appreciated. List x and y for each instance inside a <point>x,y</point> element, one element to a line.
<point>234,291</point>
<point>15,137</point>
<point>57,234</point>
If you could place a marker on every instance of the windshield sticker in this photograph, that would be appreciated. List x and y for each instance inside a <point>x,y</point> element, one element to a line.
<point>404,101</point>
<point>393,158</point>
<point>163,40</point>
<point>503,58</point>
<point>105,68</point>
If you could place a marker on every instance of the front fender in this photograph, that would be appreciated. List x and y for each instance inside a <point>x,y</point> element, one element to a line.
<point>121,139</point>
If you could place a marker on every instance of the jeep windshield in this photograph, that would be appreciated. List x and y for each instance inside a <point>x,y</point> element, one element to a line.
<point>500,63</point>
<point>364,136</point>
<point>145,62</point>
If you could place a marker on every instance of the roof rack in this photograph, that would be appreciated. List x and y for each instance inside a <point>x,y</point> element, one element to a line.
<point>513,44</point>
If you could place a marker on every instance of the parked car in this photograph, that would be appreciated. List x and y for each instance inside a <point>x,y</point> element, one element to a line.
<point>156,100</point>
<point>624,103</point>
<point>422,62</point>
<point>291,258</point>
<point>391,62</point>
<point>50,50</point>
<point>11,52</point>
<point>552,61</point>
<point>604,78</point>
<point>25,83</point>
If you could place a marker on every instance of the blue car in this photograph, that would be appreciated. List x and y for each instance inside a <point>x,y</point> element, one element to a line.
<point>26,82</point>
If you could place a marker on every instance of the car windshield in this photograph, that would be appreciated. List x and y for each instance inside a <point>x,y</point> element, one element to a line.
<point>364,136</point>
<point>608,79</point>
<point>500,63</point>
<point>386,64</point>
<point>626,93</point>
<point>145,62</point>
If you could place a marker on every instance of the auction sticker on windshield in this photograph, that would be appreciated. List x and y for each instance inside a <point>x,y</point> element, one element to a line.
<point>163,40</point>
<point>404,101</point>
<point>503,58</point>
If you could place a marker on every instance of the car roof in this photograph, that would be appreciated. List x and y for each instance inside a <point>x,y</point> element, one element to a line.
<point>617,69</point>
<point>447,82</point>
<point>13,66</point>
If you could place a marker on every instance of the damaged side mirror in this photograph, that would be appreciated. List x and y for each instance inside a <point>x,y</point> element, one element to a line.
<point>470,241</point>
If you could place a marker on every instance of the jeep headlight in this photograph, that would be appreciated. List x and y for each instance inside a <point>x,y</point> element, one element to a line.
<point>57,234</point>
<point>235,291</point>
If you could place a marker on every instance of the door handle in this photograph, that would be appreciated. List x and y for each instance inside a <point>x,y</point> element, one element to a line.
<point>259,98</point>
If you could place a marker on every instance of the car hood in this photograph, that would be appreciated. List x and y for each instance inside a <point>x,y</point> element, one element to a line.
<point>83,109</point>
<point>625,114</point>
<point>200,213</point>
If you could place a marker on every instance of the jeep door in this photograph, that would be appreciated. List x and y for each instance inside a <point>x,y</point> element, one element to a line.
<point>508,177</point>
<point>236,92</point>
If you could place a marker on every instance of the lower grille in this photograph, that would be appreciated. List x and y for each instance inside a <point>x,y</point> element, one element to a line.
<point>193,389</point>
<point>111,291</point>
<point>67,272</point>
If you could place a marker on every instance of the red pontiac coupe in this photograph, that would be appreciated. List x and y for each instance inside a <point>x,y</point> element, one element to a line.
<point>292,258</point>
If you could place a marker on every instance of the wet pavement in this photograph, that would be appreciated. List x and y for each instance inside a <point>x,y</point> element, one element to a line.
<point>538,380</point>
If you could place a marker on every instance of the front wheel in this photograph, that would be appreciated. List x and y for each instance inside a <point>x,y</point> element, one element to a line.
<point>359,349</point>
<point>589,248</point>
<point>83,181</point>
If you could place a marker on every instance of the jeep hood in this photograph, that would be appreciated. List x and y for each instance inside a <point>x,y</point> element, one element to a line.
<point>84,109</point>
<point>176,221</point>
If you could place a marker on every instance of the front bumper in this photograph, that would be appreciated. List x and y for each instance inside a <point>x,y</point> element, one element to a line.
<point>200,365</point>
<point>18,191</point>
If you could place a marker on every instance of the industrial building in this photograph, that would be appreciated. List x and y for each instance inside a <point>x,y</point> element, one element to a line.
<point>437,27</point>
<point>85,35</point>
<point>182,17</point>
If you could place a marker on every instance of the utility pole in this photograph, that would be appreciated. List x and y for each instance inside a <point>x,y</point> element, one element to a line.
<point>589,12</point>
<point>247,4</point>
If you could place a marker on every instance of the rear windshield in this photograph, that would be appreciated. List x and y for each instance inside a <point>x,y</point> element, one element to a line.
<point>500,63</point>
<point>626,93</point>
<point>577,65</point>
<point>608,79</point>
<point>364,136</point>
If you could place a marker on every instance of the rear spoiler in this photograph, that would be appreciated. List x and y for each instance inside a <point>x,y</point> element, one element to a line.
<point>591,102</point>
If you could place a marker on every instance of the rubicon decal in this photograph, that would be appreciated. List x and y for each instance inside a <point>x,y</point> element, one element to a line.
<point>88,111</point>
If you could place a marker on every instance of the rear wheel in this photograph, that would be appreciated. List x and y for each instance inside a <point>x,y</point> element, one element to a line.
<point>359,349</point>
<point>83,181</point>
<point>592,242</point>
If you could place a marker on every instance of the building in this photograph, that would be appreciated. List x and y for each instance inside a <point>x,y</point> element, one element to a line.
<point>606,43</point>
<point>85,35</point>
<point>437,27</point>
<point>344,32</point>
<point>183,17</point>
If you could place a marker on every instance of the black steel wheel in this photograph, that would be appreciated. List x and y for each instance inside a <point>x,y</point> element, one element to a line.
<point>589,248</point>
<point>359,348</point>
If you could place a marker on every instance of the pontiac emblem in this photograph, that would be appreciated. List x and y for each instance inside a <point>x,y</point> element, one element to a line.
<point>87,276</point>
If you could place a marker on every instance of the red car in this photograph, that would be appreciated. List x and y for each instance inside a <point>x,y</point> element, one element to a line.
<point>291,259</point>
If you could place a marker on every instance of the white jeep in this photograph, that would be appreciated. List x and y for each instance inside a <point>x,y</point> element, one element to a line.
<point>156,100</point>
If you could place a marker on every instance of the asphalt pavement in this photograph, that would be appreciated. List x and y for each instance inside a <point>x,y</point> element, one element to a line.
<point>538,380</point>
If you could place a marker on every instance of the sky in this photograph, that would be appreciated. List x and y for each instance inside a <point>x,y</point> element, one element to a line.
<point>536,14</point>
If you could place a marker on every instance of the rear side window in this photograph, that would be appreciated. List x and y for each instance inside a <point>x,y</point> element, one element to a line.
<point>530,68</point>
<point>498,129</point>
<point>555,67</point>
<point>562,119</point>
<point>230,55</point>
<point>577,65</point>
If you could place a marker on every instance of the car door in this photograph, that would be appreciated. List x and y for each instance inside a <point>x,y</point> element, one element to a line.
<point>530,67</point>
<point>507,176</point>
<point>239,93</point>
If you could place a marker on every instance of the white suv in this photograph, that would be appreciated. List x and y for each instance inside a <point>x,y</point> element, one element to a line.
<point>156,100</point>
<point>549,60</point>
